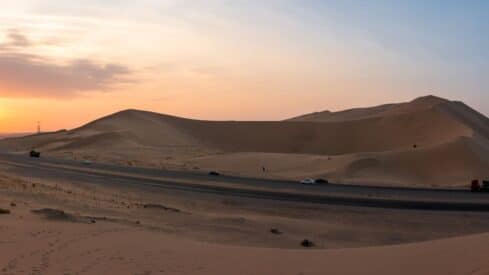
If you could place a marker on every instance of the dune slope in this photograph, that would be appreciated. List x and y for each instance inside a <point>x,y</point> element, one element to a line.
<point>429,140</point>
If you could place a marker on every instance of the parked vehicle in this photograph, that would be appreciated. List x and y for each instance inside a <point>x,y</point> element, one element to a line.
<point>34,154</point>
<point>323,181</point>
<point>485,185</point>
<point>479,186</point>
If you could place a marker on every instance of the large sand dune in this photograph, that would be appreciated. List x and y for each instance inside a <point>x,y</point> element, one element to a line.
<point>426,141</point>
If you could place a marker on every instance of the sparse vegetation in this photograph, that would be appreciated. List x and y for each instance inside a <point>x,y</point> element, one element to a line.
<point>307,243</point>
<point>53,214</point>
<point>275,231</point>
<point>4,211</point>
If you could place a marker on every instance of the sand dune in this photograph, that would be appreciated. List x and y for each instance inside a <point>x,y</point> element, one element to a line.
<point>455,109</point>
<point>429,140</point>
<point>447,164</point>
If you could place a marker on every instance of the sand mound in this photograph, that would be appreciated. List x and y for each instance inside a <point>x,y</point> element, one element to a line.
<point>62,216</point>
<point>418,140</point>
<point>448,164</point>
<point>359,166</point>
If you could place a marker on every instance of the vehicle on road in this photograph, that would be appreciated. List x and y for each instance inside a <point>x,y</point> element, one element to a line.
<point>314,181</point>
<point>320,180</point>
<point>308,181</point>
<point>34,154</point>
<point>87,162</point>
<point>479,186</point>
<point>214,173</point>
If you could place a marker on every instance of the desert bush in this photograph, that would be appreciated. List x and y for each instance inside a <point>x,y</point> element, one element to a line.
<point>307,243</point>
<point>4,211</point>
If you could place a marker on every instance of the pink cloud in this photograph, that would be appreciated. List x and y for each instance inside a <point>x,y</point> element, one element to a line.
<point>28,75</point>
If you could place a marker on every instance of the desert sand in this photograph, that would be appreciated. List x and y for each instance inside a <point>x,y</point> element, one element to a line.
<point>59,226</point>
<point>429,141</point>
<point>36,247</point>
<point>79,228</point>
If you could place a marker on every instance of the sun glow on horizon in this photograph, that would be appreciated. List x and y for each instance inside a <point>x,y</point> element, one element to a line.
<point>3,111</point>
<point>66,63</point>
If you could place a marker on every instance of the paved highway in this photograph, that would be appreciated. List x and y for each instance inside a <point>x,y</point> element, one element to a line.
<point>201,182</point>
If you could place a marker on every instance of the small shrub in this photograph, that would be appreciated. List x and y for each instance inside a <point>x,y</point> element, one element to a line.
<point>4,211</point>
<point>307,243</point>
<point>275,231</point>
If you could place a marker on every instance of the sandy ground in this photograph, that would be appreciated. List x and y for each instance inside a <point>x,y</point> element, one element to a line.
<point>82,228</point>
<point>34,246</point>
<point>60,227</point>
<point>436,166</point>
<point>429,141</point>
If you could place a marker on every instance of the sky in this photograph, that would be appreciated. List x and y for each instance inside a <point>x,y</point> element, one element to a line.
<point>65,63</point>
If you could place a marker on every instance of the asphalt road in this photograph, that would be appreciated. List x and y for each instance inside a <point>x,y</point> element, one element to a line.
<point>200,182</point>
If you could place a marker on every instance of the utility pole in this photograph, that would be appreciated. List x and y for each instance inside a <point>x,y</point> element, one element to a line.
<point>38,127</point>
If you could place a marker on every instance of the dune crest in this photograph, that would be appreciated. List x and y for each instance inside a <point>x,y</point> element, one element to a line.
<point>429,140</point>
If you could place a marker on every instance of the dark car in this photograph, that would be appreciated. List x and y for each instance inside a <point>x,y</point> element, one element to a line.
<point>475,186</point>
<point>479,186</point>
<point>34,154</point>
<point>323,181</point>
<point>485,185</point>
<point>214,173</point>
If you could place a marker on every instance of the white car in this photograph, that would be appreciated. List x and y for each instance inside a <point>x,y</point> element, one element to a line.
<point>308,181</point>
<point>87,162</point>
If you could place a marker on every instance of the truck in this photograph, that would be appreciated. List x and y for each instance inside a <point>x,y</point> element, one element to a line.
<point>479,186</point>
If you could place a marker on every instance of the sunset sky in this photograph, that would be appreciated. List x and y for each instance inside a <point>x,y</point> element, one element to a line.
<point>68,62</point>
